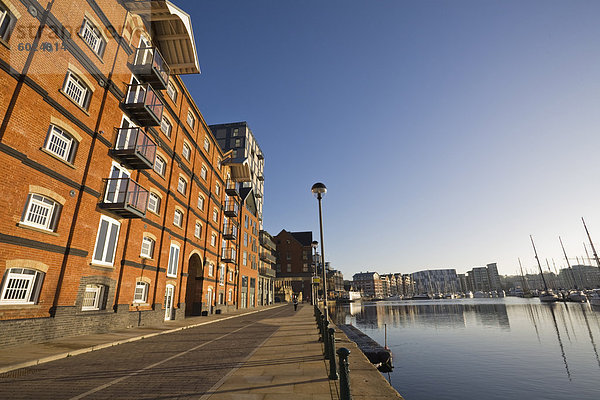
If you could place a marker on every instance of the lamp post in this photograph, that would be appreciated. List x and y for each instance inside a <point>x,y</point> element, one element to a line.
<point>319,190</point>
<point>313,289</point>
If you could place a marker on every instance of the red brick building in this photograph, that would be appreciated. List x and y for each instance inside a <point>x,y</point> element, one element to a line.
<point>294,263</point>
<point>119,205</point>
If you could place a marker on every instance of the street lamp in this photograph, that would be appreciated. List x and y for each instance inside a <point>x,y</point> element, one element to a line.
<point>313,289</point>
<point>319,190</point>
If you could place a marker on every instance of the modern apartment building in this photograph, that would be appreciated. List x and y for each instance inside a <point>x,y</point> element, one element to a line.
<point>119,206</point>
<point>266,269</point>
<point>293,263</point>
<point>484,278</point>
<point>238,138</point>
<point>369,284</point>
<point>436,281</point>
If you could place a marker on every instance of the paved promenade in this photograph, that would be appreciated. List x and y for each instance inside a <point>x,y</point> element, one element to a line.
<point>272,353</point>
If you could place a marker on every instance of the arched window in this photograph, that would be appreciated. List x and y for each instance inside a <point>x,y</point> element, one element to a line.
<point>182,185</point>
<point>41,212</point>
<point>160,166</point>
<point>61,144</point>
<point>21,286</point>
<point>186,151</point>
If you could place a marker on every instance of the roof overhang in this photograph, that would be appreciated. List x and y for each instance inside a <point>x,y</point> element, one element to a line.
<point>239,172</point>
<point>171,29</point>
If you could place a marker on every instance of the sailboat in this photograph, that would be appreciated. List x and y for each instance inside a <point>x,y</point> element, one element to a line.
<point>547,296</point>
<point>526,293</point>
<point>574,295</point>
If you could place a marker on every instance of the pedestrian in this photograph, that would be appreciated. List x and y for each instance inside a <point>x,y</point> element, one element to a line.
<point>295,303</point>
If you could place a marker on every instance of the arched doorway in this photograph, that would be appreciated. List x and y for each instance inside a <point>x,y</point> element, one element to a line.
<point>193,289</point>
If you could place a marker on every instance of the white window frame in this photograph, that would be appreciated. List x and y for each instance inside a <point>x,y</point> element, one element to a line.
<point>154,202</point>
<point>173,265</point>
<point>198,230</point>
<point>215,215</point>
<point>176,218</point>
<point>230,276</point>
<point>186,151</point>
<point>182,185</point>
<point>172,91</point>
<point>110,231</point>
<point>222,275</point>
<point>77,90</point>
<point>166,127</point>
<point>98,292</point>
<point>203,172</point>
<point>7,23</point>
<point>201,201</point>
<point>41,212</point>
<point>213,239</point>
<point>60,143</point>
<point>229,295</point>
<point>245,258</point>
<point>191,119</point>
<point>140,294</point>
<point>162,163</point>
<point>206,144</point>
<point>147,250</point>
<point>211,269</point>
<point>92,37</point>
<point>21,286</point>
<point>217,188</point>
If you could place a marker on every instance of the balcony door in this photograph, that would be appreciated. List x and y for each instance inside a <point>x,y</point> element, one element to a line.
<point>127,135</point>
<point>116,189</point>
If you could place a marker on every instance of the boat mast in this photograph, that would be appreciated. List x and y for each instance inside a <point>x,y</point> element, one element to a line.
<point>591,244</point>
<point>586,253</point>
<point>525,286</point>
<point>568,263</point>
<point>538,262</point>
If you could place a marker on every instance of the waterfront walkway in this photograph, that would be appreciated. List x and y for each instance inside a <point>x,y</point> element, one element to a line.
<point>271,353</point>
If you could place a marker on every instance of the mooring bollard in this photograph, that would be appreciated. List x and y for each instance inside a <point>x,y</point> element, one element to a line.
<point>332,369</point>
<point>343,354</point>
<point>326,340</point>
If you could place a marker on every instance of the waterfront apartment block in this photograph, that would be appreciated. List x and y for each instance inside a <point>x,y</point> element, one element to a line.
<point>484,279</point>
<point>369,284</point>
<point>436,281</point>
<point>120,207</point>
<point>238,138</point>
<point>266,269</point>
<point>294,264</point>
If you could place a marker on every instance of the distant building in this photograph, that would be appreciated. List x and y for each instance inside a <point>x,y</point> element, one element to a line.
<point>408,285</point>
<point>294,263</point>
<point>369,284</point>
<point>484,279</point>
<point>436,281</point>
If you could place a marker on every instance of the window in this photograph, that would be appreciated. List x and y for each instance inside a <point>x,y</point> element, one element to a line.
<point>77,90</point>
<point>219,163</point>
<point>236,132</point>
<point>191,120</point>
<point>185,151</point>
<point>203,172</point>
<point>217,189</point>
<point>41,212</point>
<point>215,215</point>
<point>21,286</point>
<point>141,292</point>
<point>234,153</point>
<point>201,202</point>
<point>160,165</point>
<point>246,222</point>
<point>92,37</point>
<point>305,267</point>
<point>289,268</point>
<point>206,145</point>
<point>222,275</point>
<point>173,260</point>
<point>154,203</point>
<point>238,142</point>
<point>245,238</point>
<point>245,258</point>
<point>178,218</point>
<point>211,268</point>
<point>93,297</point>
<point>213,239</point>
<point>230,276</point>
<point>61,144</point>
<point>106,241</point>
<point>198,230</point>
<point>147,247</point>
<point>230,295</point>
<point>7,23</point>
<point>182,185</point>
<point>166,127</point>
<point>171,91</point>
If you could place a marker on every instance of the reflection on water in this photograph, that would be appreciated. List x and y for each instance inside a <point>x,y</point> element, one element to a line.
<point>492,348</point>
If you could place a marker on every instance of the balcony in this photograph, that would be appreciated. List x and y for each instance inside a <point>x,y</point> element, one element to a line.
<point>134,148</point>
<point>232,188</point>
<point>231,208</point>
<point>228,254</point>
<point>149,66</point>
<point>260,177</point>
<point>230,231</point>
<point>266,271</point>
<point>266,256</point>
<point>124,197</point>
<point>143,105</point>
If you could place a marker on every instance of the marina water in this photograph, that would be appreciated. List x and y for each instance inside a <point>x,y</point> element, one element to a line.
<point>473,349</point>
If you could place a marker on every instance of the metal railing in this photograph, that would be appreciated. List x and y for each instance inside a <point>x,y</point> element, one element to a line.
<point>143,95</point>
<point>126,193</point>
<point>228,254</point>
<point>230,230</point>
<point>149,60</point>
<point>136,140</point>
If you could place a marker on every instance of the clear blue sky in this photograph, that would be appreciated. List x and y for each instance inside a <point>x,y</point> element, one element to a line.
<point>446,132</point>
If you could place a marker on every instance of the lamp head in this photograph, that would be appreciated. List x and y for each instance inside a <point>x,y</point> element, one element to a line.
<point>314,244</point>
<point>318,189</point>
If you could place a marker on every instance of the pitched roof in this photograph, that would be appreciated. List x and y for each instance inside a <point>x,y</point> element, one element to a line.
<point>303,237</point>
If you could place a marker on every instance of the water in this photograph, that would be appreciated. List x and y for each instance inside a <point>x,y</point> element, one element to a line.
<point>506,348</point>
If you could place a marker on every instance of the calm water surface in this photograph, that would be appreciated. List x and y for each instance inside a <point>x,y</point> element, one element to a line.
<point>465,349</point>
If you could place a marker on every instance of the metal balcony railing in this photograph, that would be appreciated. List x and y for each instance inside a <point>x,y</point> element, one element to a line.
<point>232,188</point>
<point>124,197</point>
<point>231,208</point>
<point>267,257</point>
<point>228,254</point>
<point>230,231</point>
<point>149,66</point>
<point>143,104</point>
<point>134,148</point>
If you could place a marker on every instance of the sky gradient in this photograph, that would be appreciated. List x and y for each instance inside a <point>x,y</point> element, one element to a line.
<point>446,132</point>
